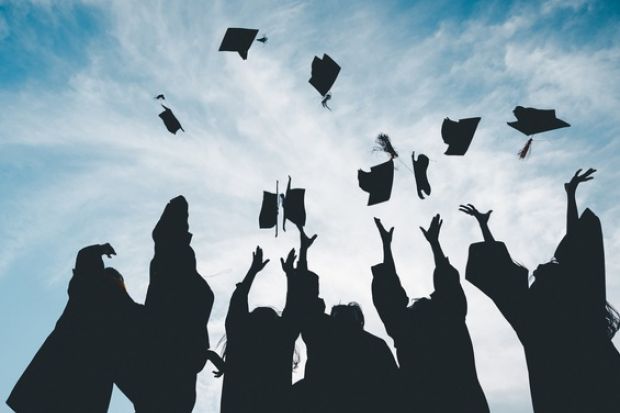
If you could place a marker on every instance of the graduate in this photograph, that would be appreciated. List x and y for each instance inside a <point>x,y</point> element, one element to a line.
<point>74,369</point>
<point>562,319</point>
<point>260,348</point>
<point>433,346</point>
<point>348,370</point>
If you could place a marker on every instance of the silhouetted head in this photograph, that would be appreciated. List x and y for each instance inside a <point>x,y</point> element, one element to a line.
<point>264,318</point>
<point>546,275</point>
<point>348,314</point>
<point>172,227</point>
<point>116,277</point>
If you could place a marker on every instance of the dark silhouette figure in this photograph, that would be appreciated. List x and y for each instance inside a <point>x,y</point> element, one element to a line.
<point>324,74</point>
<point>178,305</point>
<point>170,121</point>
<point>74,369</point>
<point>347,369</point>
<point>260,348</point>
<point>563,319</point>
<point>239,40</point>
<point>458,135</point>
<point>432,342</point>
<point>378,182</point>
<point>419,170</point>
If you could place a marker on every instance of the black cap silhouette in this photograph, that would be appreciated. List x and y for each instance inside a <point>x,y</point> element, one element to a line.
<point>293,206</point>
<point>419,170</point>
<point>171,122</point>
<point>531,121</point>
<point>378,182</point>
<point>238,40</point>
<point>324,74</point>
<point>458,135</point>
<point>268,217</point>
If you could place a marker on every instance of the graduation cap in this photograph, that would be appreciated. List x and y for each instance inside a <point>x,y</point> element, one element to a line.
<point>293,207</point>
<point>324,74</point>
<point>419,170</point>
<point>458,135</point>
<point>171,122</point>
<point>238,40</point>
<point>531,121</point>
<point>378,182</point>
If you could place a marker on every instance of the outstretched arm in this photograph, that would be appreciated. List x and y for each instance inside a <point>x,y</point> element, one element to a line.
<point>305,244</point>
<point>238,307</point>
<point>388,295</point>
<point>572,215</point>
<point>432,236</point>
<point>483,220</point>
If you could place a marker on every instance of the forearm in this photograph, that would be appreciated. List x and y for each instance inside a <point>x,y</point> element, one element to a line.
<point>486,232</point>
<point>388,257</point>
<point>572,216</point>
<point>302,263</point>
<point>437,253</point>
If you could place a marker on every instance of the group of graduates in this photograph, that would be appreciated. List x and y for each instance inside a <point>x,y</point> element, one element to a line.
<point>153,352</point>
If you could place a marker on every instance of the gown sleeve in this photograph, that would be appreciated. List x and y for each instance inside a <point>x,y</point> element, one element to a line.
<point>448,294</point>
<point>238,311</point>
<point>390,299</point>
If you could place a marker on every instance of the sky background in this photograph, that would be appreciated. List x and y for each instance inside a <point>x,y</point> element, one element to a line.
<point>84,158</point>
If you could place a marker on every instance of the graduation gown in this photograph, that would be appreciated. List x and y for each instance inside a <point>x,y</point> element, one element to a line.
<point>177,309</point>
<point>572,363</point>
<point>259,356</point>
<point>74,369</point>
<point>348,370</point>
<point>433,346</point>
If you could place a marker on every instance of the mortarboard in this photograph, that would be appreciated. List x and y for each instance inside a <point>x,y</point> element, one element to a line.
<point>378,182</point>
<point>292,207</point>
<point>238,40</point>
<point>419,170</point>
<point>171,122</point>
<point>324,74</point>
<point>531,121</point>
<point>458,135</point>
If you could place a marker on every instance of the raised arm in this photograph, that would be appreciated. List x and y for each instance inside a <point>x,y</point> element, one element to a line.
<point>445,274</point>
<point>572,215</point>
<point>388,295</point>
<point>483,220</point>
<point>238,308</point>
<point>305,244</point>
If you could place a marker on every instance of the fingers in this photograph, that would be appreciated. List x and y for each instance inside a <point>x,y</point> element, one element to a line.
<point>379,225</point>
<point>313,237</point>
<point>577,173</point>
<point>423,231</point>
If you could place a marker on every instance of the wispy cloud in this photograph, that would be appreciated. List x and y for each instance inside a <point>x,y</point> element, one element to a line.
<point>85,158</point>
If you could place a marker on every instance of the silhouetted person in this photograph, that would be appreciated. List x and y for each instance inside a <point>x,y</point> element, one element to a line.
<point>74,369</point>
<point>563,319</point>
<point>433,346</point>
<point>260,348</point>
<point>178,305</point>
<point>347,369</point>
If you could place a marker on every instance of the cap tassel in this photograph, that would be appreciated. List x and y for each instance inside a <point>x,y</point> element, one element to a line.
<point>526,149</point>
<point>384,144</point>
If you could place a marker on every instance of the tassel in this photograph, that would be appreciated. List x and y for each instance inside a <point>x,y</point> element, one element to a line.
<point>324,101</point>
<point>385,145</point>
<point>526,149</point>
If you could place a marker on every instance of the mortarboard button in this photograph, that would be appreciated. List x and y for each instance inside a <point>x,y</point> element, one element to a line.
<point>238,40</point>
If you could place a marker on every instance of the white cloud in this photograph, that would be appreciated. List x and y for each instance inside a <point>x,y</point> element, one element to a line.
<point>251,122</point>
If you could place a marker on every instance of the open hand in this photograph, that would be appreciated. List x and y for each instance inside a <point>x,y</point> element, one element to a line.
<point>305,241</point>
<point>577,179</point>
<point>432,233</point>
<point>469,209</point>
<point>257,261</point>
<point>287,265</point>
<point>107,250</point>
<point>386,236</point>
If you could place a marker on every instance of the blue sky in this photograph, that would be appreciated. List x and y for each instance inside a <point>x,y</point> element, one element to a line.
<point>84,158</point>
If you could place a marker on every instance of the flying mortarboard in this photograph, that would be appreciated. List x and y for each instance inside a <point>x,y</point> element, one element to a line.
<point>419,170</point>
<point>292,207</point>
<point>458,135</point>
<point>531,121</point>
<point>378,182</point>
<point>324,74</point>
<point>238,40</point>
<point>171,122</point>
